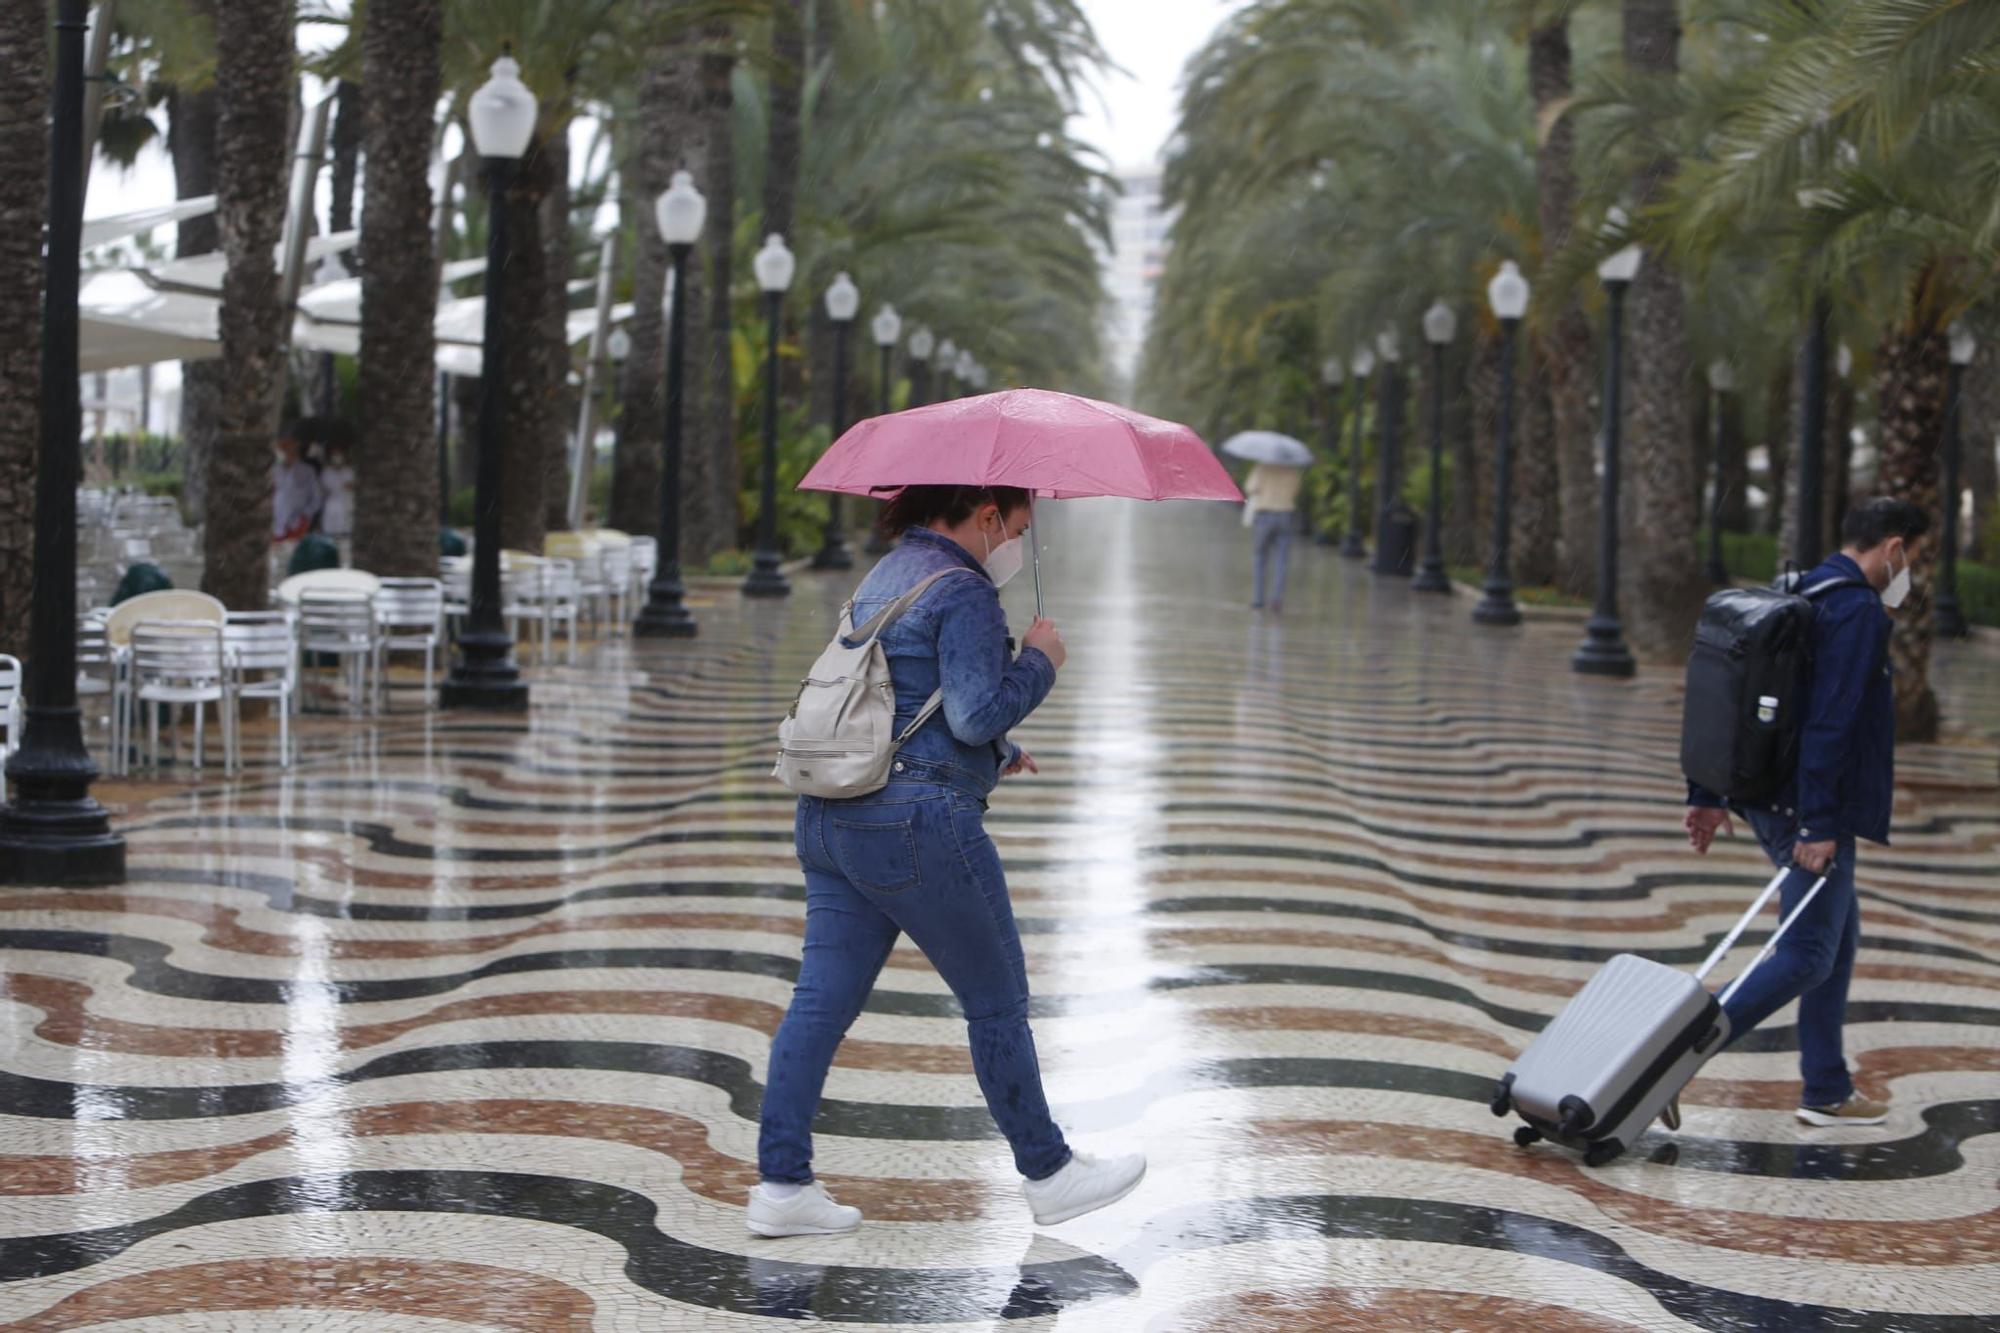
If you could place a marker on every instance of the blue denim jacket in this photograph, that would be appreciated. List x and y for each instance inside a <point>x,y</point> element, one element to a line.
<point>1847,747</point>
<point>955,635</point>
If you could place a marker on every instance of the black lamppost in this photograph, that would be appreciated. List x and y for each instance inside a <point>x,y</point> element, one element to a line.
<point>444,448</point>
<point>888,328</point>
<point>947,366</point>
<point>923,344</point>
<point>1332,372</point>
<point>1508,295</point>
<point>1390,552</point>
<point>1440,327</point>
<point>485,676</point>
<point>680,212</point>
<point>1807,550</point>
<point>1721,383</point>
<point>775,266</point>
<point>1351,544</point>
<point>968,372</point>
<point>1947,621</point>
<point>53,831</point>
<point>1603,652</point>
<point>843,303</point>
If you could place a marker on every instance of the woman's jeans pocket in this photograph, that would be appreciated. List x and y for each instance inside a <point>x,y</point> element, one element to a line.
<point>875,848</point>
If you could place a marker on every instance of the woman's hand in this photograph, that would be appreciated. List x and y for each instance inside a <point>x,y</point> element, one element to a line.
<point>1023,763</point>
<point>1045,638</point>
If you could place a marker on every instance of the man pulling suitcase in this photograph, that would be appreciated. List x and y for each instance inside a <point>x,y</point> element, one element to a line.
<point>1810,816</point>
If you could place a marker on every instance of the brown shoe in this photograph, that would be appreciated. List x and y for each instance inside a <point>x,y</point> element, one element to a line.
<point>1856,1110</point>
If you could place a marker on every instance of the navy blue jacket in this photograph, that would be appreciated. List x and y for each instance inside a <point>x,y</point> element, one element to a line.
<point>1847,747</point>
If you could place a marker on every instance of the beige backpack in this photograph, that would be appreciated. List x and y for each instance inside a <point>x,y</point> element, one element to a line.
<point>836,741</point>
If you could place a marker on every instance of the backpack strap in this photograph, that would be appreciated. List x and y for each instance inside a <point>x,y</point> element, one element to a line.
<point>893,612</point>
<point>1828,585</point>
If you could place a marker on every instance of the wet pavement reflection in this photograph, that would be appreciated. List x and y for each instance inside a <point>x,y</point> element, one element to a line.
<point>462,1020</point>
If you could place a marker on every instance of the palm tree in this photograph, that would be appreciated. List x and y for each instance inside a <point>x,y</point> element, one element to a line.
<point>255,68</point>
<point>24,140</point>
<point>396,463</point>
<point>647,161</point>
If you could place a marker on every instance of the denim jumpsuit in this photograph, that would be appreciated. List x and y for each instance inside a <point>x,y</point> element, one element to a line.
<point>915,857</point>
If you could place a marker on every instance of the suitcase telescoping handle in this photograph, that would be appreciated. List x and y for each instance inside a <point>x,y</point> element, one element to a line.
<point>1743,924</point>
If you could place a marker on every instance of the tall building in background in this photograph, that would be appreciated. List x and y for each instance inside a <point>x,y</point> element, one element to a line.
<point>1138,256</point>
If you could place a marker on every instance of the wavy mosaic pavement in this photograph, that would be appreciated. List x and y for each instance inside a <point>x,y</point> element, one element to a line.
<point>461,1022</point>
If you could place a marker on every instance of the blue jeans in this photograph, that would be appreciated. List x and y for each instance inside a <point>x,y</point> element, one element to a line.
<point>913,857</point>
<point>1812,964</point>
<point>1271,545</point>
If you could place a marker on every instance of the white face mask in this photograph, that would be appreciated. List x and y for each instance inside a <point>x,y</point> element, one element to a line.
<point>1898,590</point>
<point>1004,561</point>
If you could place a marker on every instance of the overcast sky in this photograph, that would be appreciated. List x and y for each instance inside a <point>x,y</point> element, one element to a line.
<point>1133,113</point>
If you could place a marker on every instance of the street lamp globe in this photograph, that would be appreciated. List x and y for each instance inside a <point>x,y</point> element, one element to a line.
<point>965,366</point>
<point>503,112</point>
<point>681,211</point>
<point>1721,376</point>
<point>1622,266</point>
<point>843,300</point>
<point>1508,292</point>
<point>1389,346</point>
<point>1440,324</point>
<point>948,356</point>
<point>618,346</point>
<point>775,266</point>
<point>1332,372</point>
<point>1843,361</point>
<point>888,326</point>
<point>922,343</point>
<point>1363,363</point>
<point>1963,345</point>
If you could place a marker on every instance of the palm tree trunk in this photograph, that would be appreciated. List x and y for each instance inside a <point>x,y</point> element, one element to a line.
<point>531,381</point>
<point>713,466</point>
<point>1982,470</point>
<point>1839,459</point>
<point>395,463</point>
<point>1910,401</point>
<point>191,142</point>
<point>255,61</point>
<point>1663,589</point>
<point>1833,462</point>
<point>1537,513</point>
<point>552,338</point>
<point>24,148</point>
<point>1566,353</point>
<point>664,98</point>
<point>781,157</point>
<point>1461,533</point>
<point>1485,438</point>
<point>1777,446</point>
<point>1730,442</point>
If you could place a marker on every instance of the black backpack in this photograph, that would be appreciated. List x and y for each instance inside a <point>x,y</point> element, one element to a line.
<point>1746,690</point>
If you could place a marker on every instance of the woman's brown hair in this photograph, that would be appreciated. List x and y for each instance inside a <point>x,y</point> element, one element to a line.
<point>921,506</point>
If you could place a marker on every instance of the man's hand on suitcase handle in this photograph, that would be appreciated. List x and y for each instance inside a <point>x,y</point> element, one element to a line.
<point>1703,822</point>
<point>1814,856</point>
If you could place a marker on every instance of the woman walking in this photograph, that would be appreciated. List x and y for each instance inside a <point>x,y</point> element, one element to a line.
<point>915,858</point>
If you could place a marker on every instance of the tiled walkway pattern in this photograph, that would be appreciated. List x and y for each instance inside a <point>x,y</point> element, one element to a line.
<point>462,1023</point>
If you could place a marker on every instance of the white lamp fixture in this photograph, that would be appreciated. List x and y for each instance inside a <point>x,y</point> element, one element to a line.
<point>966,366</point>
<point>948,356</point>
<point>503,113</point>
<point>1440,324</point>
<point>1721,376</point>
<point>618,346</point>
<point>1508,292</point>
<point>775,265</point>
<point>1363,363</point>
<point>1389,346</point>
<point>922,343</point>
<point>888,327</point>
<point>1843,361</point>
<point>1332,372</point>
<point>681,211</point>
<point>1963,345</point>
<point>1623,266</point>
<point>843,300</point>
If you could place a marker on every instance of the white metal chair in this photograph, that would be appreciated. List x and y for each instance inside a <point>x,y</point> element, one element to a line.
<point>262,648</point>
<point>645,564</point>
<point>409,615</point>
<point>171,604</point>
<point>97,678</point>
<point>543,592</point>
<point>341,624</point>
<point>177,662</point>
<point>615,562</point>
<point>11,714</point>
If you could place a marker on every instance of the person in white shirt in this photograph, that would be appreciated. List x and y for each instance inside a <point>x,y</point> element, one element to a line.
<point>1271,493</point>
<point>295,493</point>
<point>336,483</point>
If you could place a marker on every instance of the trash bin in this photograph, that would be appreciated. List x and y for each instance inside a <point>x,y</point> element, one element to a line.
<point>1396,540</point>
<point>141,578</point>
<point>313,552</point>
<point>450,542</point>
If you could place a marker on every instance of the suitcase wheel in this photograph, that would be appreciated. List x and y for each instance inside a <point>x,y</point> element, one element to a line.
<point>1502,1102</point>
<point>1527,1136</point>
<point>1602,1152</point>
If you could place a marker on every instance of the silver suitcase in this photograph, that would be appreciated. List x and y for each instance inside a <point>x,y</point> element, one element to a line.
<point>1608,1064</point>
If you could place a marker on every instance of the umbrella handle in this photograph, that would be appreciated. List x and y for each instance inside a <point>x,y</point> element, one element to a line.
<point>1035,552</point>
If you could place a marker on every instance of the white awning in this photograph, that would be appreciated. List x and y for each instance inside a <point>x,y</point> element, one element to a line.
<point>116,227</point>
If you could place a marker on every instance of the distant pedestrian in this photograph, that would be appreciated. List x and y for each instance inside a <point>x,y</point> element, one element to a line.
<point>336,481</point>
<point>1844,791</point>
<point>295,491</point>
<point>1271,495</point>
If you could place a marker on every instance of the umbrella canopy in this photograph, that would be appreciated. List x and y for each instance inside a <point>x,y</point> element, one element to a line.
<point>1056,445</point>
<point>1267,446</point>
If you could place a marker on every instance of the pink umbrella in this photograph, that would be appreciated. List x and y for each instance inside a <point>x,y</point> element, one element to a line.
<point>1056,445</point>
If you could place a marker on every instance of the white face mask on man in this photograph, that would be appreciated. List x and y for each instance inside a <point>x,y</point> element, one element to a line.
<point>1898,590</point>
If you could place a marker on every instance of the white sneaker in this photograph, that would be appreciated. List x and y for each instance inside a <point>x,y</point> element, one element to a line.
<point>809,1212</point>
<point>1084,1185</point>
